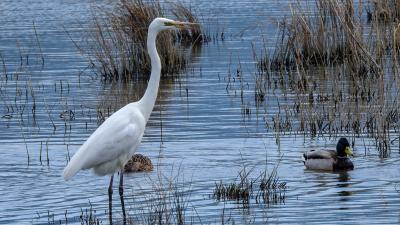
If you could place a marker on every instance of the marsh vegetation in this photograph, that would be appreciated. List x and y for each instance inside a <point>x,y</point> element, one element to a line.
<point>342,70</point>
<point>232,109</point>
<point>118,41</point>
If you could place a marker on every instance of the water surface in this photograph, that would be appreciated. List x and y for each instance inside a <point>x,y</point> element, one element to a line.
<point>197,134</point>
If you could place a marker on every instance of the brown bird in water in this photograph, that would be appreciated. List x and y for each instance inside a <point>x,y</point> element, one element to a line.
<point>138,163</point>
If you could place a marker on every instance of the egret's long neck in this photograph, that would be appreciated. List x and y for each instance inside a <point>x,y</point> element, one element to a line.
<point>149,98</point>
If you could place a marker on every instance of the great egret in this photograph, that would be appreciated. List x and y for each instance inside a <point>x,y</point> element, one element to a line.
<point>109,147</point>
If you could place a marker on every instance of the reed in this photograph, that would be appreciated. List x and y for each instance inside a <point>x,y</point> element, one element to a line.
<point>87,217</point>
<point>384,11</point>
<point>328,34</point>
<point>264,189</point>
<point>167,205</point>
<point>342,74</point>
<point>118,43</point>
<point>271,189</point>
<point>240,191</point>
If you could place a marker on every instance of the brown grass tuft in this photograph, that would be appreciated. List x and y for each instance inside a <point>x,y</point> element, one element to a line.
<point>119,40</point>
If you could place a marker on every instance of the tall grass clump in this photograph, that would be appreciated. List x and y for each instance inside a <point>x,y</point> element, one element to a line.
<point>384,10</point>
<point>266,189</point>
<point>118,41</point>
<point>272,190</point>
<point>339,74</point>
<point>326,33</point>
<point>168,204</point>
<point>239,190</point>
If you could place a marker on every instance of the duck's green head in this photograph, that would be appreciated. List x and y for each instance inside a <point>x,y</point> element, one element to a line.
<point>343,148</point>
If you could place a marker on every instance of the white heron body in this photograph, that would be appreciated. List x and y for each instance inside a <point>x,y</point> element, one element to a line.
<point>113,143</point>
<point>111,146</point>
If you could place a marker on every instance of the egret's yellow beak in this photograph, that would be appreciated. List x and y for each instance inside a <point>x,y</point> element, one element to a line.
<point>180,25</point>
<point>348,151</point>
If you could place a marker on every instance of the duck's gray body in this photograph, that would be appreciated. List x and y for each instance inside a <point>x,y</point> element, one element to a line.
<point>326,160</point>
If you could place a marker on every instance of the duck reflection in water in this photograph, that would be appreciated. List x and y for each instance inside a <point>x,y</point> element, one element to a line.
<point>343,186</point>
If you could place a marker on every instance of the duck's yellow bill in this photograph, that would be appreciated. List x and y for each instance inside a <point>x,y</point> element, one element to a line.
<point>348,151</point>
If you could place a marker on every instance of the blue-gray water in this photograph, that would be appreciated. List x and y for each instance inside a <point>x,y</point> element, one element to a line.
<point>205,137</point>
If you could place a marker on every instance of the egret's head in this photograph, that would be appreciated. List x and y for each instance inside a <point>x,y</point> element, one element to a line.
<point>343,148</point>
<point>160,24</point>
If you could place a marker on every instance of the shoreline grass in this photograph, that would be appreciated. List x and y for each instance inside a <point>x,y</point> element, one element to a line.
<point>266,189</point>
<point>342,71</point>
<point>118,42</point>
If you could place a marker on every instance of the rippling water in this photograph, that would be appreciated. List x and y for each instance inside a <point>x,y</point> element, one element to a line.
<point>205,136</point>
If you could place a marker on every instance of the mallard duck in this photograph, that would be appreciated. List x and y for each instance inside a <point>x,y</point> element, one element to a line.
<point>138,163</point>
<point>330,159</point>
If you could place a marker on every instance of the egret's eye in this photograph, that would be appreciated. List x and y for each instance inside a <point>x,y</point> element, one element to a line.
<point>168,24</point>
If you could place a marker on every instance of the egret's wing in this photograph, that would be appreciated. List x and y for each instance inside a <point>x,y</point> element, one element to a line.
<point>108,144</point>
<point>115,137</point>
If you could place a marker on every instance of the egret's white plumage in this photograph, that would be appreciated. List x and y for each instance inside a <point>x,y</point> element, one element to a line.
<point>109,147</point>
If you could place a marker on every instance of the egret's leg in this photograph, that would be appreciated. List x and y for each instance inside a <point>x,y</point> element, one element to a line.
<point>110,192</point>
<point>121,194</point>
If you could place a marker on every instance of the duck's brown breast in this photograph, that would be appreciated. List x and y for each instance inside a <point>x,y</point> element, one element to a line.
<point>343,164</point>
